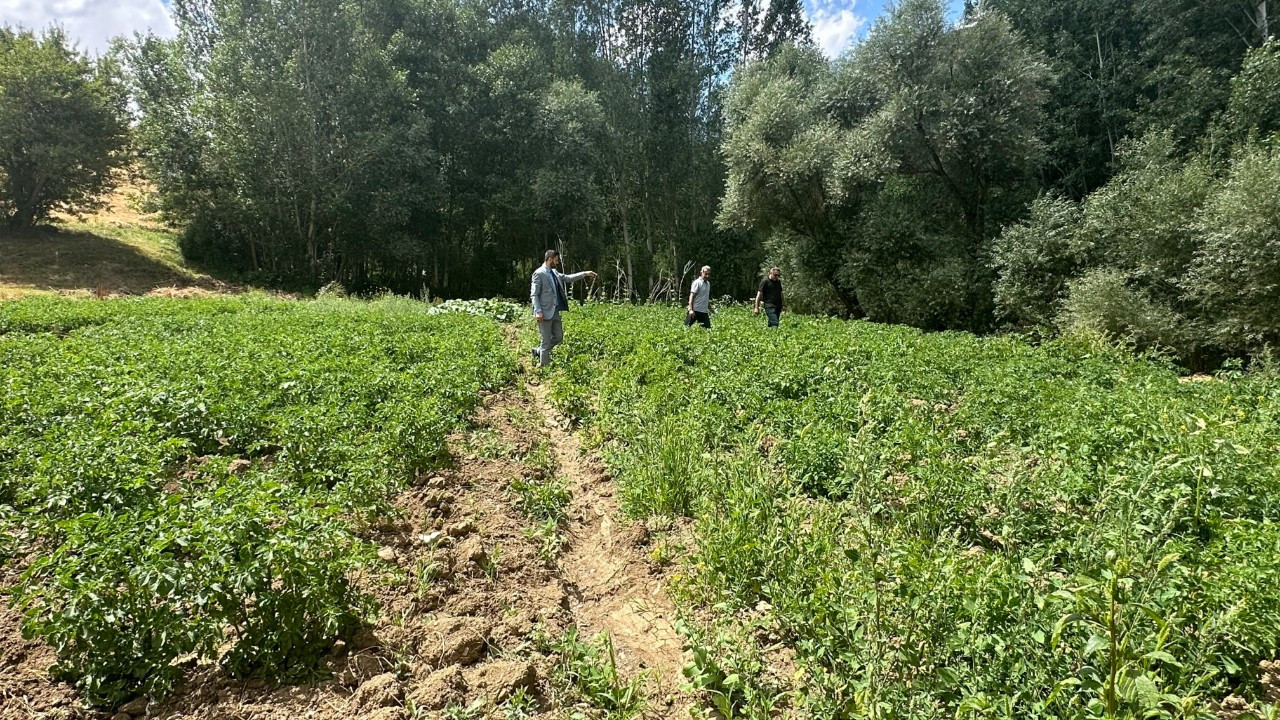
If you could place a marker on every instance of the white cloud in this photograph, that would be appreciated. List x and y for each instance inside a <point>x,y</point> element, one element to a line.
<point>90,23</point>
<point>834,27</point>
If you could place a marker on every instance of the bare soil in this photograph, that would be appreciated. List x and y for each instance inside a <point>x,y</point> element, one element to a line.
<point>467,602</point>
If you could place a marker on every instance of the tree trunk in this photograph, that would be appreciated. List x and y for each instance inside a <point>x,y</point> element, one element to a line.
<point>311,237</point>
<point>26,203</point>
<point>626,244</point>
<point>23,218</point>
<point>1262,21</point>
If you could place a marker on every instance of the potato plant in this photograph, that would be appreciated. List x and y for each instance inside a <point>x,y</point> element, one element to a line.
<point>184,479</point>
<point>952,526</point>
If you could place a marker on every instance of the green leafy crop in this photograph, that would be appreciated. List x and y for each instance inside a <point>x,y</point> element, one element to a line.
<point>951,526</point>
<point>189,475</point>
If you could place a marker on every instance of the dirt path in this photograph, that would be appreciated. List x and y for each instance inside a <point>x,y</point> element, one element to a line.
<point>473,600</point>
<point>612,583</point>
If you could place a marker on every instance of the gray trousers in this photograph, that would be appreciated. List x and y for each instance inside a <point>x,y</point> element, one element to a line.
<point>552,334</point>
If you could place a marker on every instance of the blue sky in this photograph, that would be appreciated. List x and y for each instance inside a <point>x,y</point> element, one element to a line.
<point>837,23</point>
<point>92,23</point>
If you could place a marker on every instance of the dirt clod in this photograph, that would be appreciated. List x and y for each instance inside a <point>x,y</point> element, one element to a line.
<point>454,641</point>
<point>462,529</point>
<point>360,668</point>
<point>1270,681</point>
<point>1233,707</point>
<point>441,687</point>
<point>500,680</point>
<point>136,706</point>
<point>365,639</point>
<point>472,552</point>
<point>437,498</point>
<point>381,691</point>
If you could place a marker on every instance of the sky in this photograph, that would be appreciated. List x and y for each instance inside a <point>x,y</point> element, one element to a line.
<point>92,23</point>
<point>838,23</point>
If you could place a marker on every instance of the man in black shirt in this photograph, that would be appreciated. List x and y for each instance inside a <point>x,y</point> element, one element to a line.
<point>771,293</point>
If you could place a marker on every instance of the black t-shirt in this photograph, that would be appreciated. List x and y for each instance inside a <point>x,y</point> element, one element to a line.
<point>771,292</point>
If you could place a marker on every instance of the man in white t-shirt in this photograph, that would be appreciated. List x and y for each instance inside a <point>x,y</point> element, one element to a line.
<point>700,299</point>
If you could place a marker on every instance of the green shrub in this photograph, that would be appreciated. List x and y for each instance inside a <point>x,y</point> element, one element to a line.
<point>1236,274</point>
<point>1104,302</point>
<point>1255,97</point>
<point>1035,260</point>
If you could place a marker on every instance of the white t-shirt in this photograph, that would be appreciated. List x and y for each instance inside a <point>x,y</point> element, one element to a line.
<point>701,291</point>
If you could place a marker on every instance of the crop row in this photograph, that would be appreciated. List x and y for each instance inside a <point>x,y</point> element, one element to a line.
<point>184,480</point>
<point>948,526</point>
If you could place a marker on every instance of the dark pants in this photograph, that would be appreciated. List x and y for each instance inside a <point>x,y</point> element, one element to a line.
<point>772,313</point>
<point>701,318</point>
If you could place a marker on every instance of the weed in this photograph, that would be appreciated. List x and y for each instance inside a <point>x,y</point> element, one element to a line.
<point>485,443</point>
<point>549,539</point>
<point>522,704</point>
<point>665,552</point>
<point>458,711</point>
<point>541,499</point>
<point>590,671</point>
<point>728,669</point>
<point>492,562</point>
<point>541,459</point>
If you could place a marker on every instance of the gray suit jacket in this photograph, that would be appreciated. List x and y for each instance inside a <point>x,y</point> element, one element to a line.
<point>542,292</point>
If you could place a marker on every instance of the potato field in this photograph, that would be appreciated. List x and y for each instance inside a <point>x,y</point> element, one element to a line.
<point>854,520</point>
<point>181,479</point>
<point>947,526</point>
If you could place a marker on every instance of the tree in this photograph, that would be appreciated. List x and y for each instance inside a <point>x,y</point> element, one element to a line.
<point>1254,108</point>
<point>439,145</point>
<point>63,127</point>
<point>890,173</point>
<point>790,164</point>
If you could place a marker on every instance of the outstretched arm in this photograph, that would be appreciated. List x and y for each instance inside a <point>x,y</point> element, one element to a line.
<point>575,277</point>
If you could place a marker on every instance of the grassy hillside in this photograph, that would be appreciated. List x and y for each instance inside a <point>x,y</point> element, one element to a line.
<point>119,250</point>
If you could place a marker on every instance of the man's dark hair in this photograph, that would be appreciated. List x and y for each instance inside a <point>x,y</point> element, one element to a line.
<point>550,254</point>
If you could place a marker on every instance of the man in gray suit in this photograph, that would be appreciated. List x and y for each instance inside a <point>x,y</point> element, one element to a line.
<point>550,297</point>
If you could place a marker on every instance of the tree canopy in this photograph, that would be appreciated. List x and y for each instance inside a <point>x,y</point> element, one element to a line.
<point>63,126</point>
<point>441,145</point>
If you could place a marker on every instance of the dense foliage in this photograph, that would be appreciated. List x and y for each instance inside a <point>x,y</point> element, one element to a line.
<point>895,181</point>
<point>443,145</point>
<point>63,126</point>
<point>888,173</point>
<point>1178,251</point>
<point>184,479</point>
<point>950,526</point>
